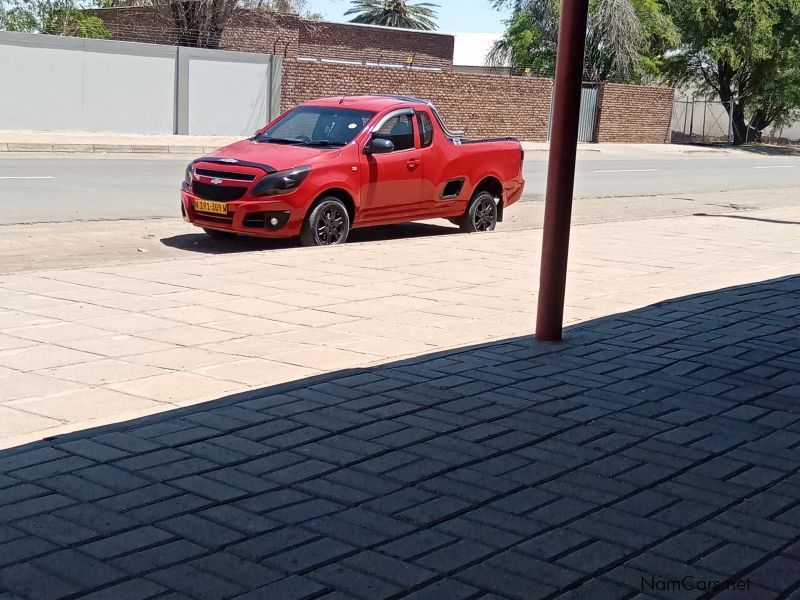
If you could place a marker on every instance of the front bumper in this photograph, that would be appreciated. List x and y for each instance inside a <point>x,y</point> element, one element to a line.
<point>262,218</point>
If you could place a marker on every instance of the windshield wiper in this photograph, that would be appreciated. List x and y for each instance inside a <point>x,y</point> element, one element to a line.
<point>270,140</point>
<point>322,143</point>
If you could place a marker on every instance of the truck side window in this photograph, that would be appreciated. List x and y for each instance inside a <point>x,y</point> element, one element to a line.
<point>399,130</point>
<point>425,129</point>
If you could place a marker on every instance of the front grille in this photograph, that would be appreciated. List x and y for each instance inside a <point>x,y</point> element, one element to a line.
<point>225,174</point>
<point>215,218</point>
<point>220,193</point>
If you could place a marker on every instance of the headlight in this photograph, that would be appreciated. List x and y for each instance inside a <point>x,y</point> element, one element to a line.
<point>281,182</point>
<point>187,176</point>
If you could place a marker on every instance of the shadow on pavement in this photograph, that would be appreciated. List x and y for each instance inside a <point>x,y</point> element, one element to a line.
<point>769,150</point>
<point>776,221</point>
<point>762,149</point>
<point>200,242</point>
<point>653,451</point>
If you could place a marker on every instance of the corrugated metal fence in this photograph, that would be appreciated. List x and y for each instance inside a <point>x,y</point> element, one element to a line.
<point>588,115</point>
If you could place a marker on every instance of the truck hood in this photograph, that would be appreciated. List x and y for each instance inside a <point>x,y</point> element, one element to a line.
<point>278,156</point>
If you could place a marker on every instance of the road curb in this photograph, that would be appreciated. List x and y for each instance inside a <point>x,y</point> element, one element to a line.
<point>103,148</point>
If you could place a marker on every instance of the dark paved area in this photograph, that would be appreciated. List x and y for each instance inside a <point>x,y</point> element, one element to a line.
<point>653,447</point>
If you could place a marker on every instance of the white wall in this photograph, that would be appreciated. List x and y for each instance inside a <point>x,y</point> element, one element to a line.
<point>226,95</point>
<point>74,84</point>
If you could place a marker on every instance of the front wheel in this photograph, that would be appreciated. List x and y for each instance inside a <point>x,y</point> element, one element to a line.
<point>327,224</point>
<point>481,214</point>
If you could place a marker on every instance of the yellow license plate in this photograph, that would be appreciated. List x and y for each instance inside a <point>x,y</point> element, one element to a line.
<point>219,208</point>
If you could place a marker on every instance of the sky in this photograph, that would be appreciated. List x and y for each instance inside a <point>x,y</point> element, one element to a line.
<point>453,15</point>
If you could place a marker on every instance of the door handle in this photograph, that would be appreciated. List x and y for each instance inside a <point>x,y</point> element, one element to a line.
<point>413,162</point>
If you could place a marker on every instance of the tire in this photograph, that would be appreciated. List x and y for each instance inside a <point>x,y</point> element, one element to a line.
<point>219,235</point>
<point>481,214</point>
<point>327,224</point>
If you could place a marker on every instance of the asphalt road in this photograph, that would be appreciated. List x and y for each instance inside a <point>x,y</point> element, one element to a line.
<point>51,188</point>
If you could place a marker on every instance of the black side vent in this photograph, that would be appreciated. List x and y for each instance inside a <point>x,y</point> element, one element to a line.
<point>255,220</point>
<point>266,220</point>
<point>452,189</point>
<point>215,218</point>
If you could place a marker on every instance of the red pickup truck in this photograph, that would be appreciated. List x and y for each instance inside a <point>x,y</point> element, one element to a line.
<point>327,166</point>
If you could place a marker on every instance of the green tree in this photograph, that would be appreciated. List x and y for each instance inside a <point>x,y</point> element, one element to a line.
<point>394,13</point>
<point>624,38</point>
<point>55,17</point>
<point>746,53</point>
<point>530,38</point>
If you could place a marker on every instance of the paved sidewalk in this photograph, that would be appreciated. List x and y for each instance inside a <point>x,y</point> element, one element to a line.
<point>654,447</point>
<point>90,346</point>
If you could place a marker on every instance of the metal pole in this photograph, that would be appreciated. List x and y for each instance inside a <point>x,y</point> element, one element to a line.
<point>705,113</point>
<point>730,122</point>
<point>691,126</point>
<point>686,116</point>
<point>561,169</point>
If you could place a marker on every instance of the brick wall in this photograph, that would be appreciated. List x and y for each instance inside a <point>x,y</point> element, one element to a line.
<point>275,33</point>
<point>634,114</point>
<point>259,31</point>
<point>136,24</point>
<point>375,44</point>
<point>247,31</point>
<point>482,105</point>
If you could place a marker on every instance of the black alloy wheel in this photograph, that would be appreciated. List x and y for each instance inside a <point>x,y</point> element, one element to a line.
<point>327,224</point>
<point>481,215</point>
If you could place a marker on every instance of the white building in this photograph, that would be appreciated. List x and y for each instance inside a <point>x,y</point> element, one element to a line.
<point>471,49</point>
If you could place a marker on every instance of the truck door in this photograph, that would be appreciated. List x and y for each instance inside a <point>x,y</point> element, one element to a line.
<point>434,161</point>
<point>392,182</point>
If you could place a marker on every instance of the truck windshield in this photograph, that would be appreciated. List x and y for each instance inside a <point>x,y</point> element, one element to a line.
<point>317,126</point>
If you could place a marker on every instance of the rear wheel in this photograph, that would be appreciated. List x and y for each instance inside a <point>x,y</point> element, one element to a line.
<point>217,234</point>
<point>327,224</point>
<point>481,214</point>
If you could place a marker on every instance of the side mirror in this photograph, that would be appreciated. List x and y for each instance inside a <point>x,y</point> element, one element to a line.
<point>379,146</point>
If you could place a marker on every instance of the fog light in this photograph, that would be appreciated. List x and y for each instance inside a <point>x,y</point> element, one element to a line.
<point>273,221</point>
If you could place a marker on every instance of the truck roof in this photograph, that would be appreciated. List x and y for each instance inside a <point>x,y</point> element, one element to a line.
<point>375,103</point>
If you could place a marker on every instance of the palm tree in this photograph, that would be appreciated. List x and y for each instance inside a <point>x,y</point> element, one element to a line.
<point>394,13</point>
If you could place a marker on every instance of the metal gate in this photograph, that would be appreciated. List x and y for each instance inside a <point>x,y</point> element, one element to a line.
<point>588,114</point>
<point>588,118</point>
<point>700,121</point>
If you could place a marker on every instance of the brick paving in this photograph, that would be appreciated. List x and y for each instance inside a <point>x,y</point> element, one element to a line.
<point>98,344</point>
<point>650,446</point>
